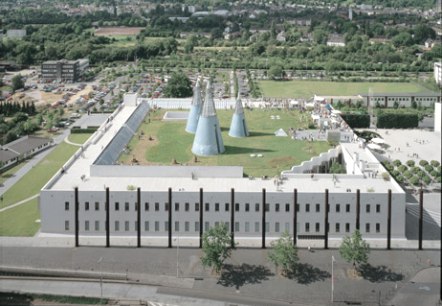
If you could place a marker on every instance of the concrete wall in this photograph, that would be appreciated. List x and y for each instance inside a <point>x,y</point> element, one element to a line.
<point>437,117</point>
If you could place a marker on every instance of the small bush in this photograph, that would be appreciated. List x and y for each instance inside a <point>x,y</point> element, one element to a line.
<point>423,163</point>
<point>399,179</point>
<point>435,163</point>
<point>395,173</point>
<point>435,173</point>
<point>408,174</point>
<point>415,170</point>
<point>397,163</point>
<point>410,163</point>
<point>389,167</point>
<point>402,168</point>
<point>415,181</point>
<point>386,176</point>
<point>438,179</point>
<point>426,179</point>
<point>428,168</point>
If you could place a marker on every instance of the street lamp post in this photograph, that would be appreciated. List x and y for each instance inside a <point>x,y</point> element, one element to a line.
<point>332,280</point>
<point>101,278</point>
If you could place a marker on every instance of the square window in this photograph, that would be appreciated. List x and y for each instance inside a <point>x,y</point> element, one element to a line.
<point>166,226</point>
<point>267,227</point>
<point>186,226</point>
<point>367,227</point>
<point>287,207</point>
<point>277,227</point>
<point>247,227</point>
<point>117,206</point>
<point>337,227</point>
<point>97,206</point>
<point>216,206</point>
<point>317,227</point>
<point>86,225</point>
<point>216,223</point>
<point>236,226</point>
<point>378,208</point>
<point>66,205</point>
<point>227,225</point>
<point>256,227</point>
<point>367,208</point>
<point>287,226</point>
<point>298,207</point>
<point>347,208</point>
<point>177,206</point>
<point>177,226</point>
<point>347,227</point>
<point>338,208</point>
<point>86,206</point>
<point>197,226</point>
<point>186,206</point>
<point>166,206</point>
<point>307,227</point>
<point>97,225</point>
<point>197,206</point>
<point>157,226</point>
<point>267,207</point>
<point>146,206</point>
<point>207,207</point>
<point>66,225</point>
<point>126,206</point>
<point>236,206</point>
<point>117,226</point>
<point>318,207</point>
<point>126,226</point>
<point>146,226</point>
<point>378,227</point>
<point>226,207</point>
<point>257,207</point>
<point>206,226</point>
<point>157,206</point>
<point>277,207</point>
<point>247,207</point>
<point>307,207</point>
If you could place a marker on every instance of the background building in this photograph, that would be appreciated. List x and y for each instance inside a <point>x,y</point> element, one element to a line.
<point>64,70</point>
<point>438,73</point>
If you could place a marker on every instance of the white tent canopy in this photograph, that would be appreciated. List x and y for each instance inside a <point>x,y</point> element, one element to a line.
<point>374,146</point>
<point>281,133</point>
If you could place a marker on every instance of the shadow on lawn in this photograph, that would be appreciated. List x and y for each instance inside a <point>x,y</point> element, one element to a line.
<point>379,274</point>
<point>238,276</point>
<point>230,150</point>
<point>306,274</point>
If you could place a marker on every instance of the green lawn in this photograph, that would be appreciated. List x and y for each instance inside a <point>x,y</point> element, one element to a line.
<point>278,153</point>
<point>20,220</point>
<point>307,89</point>
<point>37,177</point>
<point>79,138</point>
<point>10,172</point>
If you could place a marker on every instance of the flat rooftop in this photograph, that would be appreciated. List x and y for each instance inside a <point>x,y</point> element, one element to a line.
<point>78,173</point>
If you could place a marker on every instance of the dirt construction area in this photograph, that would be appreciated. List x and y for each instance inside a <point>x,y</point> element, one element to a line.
<point>111,31</point>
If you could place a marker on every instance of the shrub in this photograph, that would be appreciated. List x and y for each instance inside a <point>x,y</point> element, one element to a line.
<point>415,170</point>
<point>435,173</point>
<point>397,162</point>
<point>410,163</point>
<point>438,179</point>
<point>428,168</point>
<point>399,179</point>
<point>423,163</point>
<point>408,174</point>
<point>386,176</point>
<point>397,120</point>
<point>389,167</point>
<point>435,163</point>
<point>395,173</point>
<point>426,179</point>
<point>357,120</point>
<point>415,181</point>
<point>402,168</point>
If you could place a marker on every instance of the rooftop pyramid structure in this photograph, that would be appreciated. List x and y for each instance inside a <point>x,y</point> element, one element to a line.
<point>238,126</point>
<point>195,109</point>
<point>208,140</point>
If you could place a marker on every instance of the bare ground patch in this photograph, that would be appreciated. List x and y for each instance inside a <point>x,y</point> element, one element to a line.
<point>118,31</point>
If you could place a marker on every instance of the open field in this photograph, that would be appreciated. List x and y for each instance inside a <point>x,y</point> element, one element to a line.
<point>79,138</point>
<point>171,142</point>
<point>113,31</point>
<point>10,172</point>
<point>307,89</point>
<point>20,220</point>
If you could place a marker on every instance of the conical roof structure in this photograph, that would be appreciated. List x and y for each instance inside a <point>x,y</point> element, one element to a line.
<point>208,139</point>
<point>195,109</point>
<point>238,126</point>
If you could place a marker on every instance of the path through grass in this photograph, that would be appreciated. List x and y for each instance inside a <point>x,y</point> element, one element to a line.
<point>20,220</point>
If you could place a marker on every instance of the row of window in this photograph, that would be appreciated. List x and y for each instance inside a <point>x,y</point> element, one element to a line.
<point>217,207</point>
<point>276,226</point>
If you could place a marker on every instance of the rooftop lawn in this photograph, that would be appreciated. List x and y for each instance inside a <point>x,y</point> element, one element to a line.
<point>307,89</point>
<point>171,142</point>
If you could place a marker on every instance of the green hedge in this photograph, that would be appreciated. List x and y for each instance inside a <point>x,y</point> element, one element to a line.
<point>357,120</point>
<point>397,121</point>
<point>81,131</point>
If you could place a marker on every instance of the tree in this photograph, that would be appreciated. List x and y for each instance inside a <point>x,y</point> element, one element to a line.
<point>354,249</point>
<point>284,253</point>
<point>178,86</point>
<point>275,72</point>
<point>216,247</point>
<point>17,82</point>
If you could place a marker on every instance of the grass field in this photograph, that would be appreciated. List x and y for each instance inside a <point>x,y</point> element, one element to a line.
<point>79,138</point>
<point>20,220</point>
<point>171,142</point>
<point>307,89</point>
<point>10,172</point>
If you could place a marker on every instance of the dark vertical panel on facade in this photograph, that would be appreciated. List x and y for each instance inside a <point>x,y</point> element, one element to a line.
<point>107,224</point>
<point>421,217</point>
<point>170,217</point>
<point>389,221</point>
<point>295,215</point>
<point>232,217</point>
<point>201,217</point>
<point>326,220</point>
<point>76,216</point>
<point>263,243</point>
<point>358,209</point>
<point>138,217</point>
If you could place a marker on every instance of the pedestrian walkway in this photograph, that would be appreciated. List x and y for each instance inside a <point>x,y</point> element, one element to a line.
<point>72,143</point>
<point>19,203</point>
